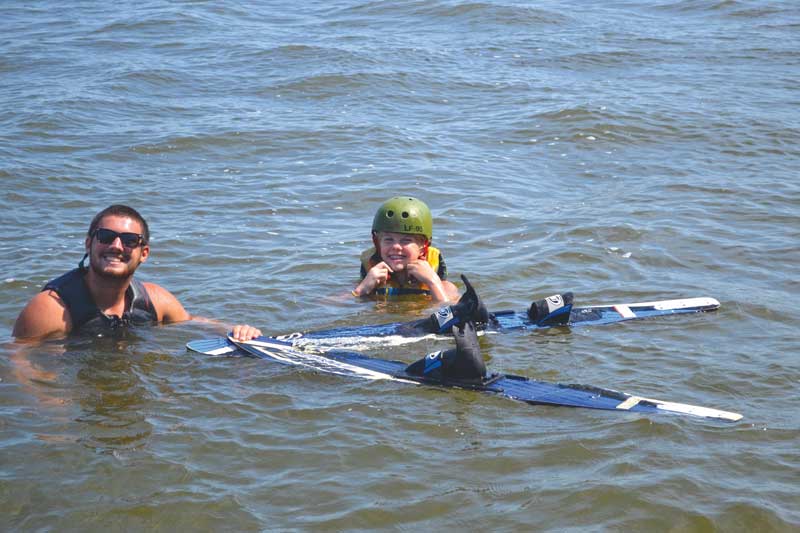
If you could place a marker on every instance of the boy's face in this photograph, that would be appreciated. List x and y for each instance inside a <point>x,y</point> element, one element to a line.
<point>399,249</point>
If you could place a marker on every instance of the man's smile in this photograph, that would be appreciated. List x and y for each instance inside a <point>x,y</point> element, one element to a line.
<point>114,257</point>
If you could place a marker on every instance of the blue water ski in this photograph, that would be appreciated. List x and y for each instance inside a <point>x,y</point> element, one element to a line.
<point>355,364</point>
<point>353,336</point>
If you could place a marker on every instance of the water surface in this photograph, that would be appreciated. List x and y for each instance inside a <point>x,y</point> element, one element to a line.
<point>625,151</point>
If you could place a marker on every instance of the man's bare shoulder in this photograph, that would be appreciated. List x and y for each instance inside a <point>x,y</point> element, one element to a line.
<point>167,306</point>
<point>46,314</point>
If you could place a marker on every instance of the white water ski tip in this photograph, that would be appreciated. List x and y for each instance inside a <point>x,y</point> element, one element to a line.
<point>682,408</point>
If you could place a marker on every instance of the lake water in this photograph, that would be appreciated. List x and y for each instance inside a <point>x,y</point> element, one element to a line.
<point>625,151</point>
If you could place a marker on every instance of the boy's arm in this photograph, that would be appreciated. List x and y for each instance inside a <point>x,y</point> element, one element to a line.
<point>377,275</point>
<point>451,290</point>
<point>441,291</point>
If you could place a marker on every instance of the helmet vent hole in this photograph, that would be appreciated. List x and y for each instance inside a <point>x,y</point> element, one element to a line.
<point>389,214</point>
<point>405,214</point>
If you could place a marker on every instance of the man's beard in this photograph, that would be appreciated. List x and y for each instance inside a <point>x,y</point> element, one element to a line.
<point>114,274</point>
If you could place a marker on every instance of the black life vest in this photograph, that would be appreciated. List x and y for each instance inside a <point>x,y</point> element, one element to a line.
<point>85,314</point>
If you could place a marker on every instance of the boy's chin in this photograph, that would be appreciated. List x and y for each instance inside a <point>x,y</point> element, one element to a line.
<point>397,267</point>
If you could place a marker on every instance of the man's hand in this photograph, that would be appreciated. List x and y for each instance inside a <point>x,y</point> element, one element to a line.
<point>245,333</point>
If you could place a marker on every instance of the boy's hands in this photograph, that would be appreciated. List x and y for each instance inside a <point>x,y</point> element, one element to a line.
<point>419,270</point>
<point>423,272</point>
<point>377,275</point>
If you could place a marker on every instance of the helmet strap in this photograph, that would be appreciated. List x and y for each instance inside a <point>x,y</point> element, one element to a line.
<point>376,242</point>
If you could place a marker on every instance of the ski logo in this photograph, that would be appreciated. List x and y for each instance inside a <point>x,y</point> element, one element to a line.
<point>433,361</point>
<point>554,302</point>
<point>445,318</point>
<point>289,337</point>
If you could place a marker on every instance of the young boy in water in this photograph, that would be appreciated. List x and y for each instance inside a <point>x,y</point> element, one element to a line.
<point>402,260</point>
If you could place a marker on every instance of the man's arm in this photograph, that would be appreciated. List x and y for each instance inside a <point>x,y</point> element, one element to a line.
<point>44,315</point>
<point>168,308</point>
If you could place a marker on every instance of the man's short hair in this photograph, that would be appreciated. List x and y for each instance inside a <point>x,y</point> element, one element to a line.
<point>121,211</point>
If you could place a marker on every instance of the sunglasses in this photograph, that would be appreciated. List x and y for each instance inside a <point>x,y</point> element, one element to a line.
<point>107,236</point>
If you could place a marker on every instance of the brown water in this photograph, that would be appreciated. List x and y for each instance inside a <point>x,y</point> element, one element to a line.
<point>627,152</point>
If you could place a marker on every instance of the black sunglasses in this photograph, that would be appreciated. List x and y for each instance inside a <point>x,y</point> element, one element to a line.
<point>107,236</point>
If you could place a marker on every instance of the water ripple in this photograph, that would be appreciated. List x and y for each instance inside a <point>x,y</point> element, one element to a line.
<point>628,151</point>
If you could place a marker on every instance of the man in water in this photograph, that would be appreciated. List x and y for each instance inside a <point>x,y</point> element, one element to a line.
<point>103,296</point>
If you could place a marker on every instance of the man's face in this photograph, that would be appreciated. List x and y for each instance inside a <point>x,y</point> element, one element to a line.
<point>115,259</point>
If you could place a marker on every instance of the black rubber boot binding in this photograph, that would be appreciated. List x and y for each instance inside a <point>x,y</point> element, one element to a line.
<point>469,308</point>
<point>551,311</point>
<point>462,363</point>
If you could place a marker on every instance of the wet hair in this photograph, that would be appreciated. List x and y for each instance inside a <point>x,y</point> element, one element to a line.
<point>120,210</point>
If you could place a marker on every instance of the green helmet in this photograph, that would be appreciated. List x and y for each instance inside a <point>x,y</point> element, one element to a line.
<point>403,214</point>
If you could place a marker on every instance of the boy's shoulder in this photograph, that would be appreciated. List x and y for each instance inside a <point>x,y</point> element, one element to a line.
<point>367,255</point>
<point>436,260</point>
<point>368,260</point>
